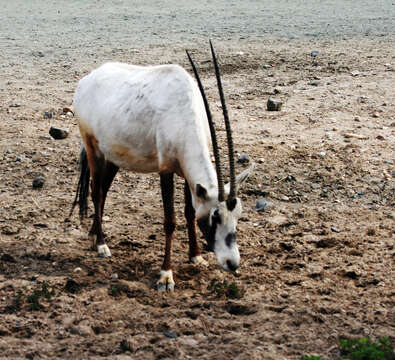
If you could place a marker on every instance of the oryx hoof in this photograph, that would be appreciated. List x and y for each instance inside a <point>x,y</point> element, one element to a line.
<point>198,260</point>
<point>103,251</point>
<point>165,282</point>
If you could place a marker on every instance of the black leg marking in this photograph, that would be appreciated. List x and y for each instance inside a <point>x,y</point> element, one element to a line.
<point>191,223</point>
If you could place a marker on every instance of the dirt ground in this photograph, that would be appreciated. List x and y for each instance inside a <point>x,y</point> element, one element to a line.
<point>316,265</point>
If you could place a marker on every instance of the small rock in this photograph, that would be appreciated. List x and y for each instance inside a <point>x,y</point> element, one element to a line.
<point>335,229</point>
<point>68,109</point>
<point>314,83</point>
<point>267,66</point>
<point>38,181</point>
<point>274,105</point>
<point>354,73</point>
<point>263,205</point>
<point>15,105</point>
<point>380,137</point>
<point>191,342</point>
<point>243,159</point>
<point>171,334</point>
<point>57,133</point>
<point>314,53</point>
<point>356,118</point>
<point>47,115</point>
<point>77,270</point>
<point>375,115</point>
<point>114,276</point>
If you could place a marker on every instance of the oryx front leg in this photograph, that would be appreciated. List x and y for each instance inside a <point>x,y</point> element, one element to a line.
<point>166,282</point>
<point>189,211</point>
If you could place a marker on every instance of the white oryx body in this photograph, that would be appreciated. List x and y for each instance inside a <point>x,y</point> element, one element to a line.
<point>156,119</point>
<point>148,119</point>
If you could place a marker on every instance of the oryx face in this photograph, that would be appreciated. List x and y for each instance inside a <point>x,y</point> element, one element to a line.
<point>219,230</point>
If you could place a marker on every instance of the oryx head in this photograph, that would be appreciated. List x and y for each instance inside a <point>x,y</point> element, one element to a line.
<point>218,213</point>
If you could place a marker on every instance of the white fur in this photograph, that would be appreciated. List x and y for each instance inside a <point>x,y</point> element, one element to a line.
<point>222,251</point>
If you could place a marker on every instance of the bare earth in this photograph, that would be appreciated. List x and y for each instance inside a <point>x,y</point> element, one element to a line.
<point>317,266</point>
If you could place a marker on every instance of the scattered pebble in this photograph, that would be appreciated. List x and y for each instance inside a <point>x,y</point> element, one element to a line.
<point>57,133</point>
<point>243,159</point>
<point>114,276</point>
<point>15,105</point>
<point>335,229</point>
<point>191,342</point>
<point>68,110</point>
<point>274,105</point>
<point>47,115</point>
<point>263,205</point>
<point>315,83</point>
<point>171,334</point>
<point>314,53</point>
<point>38,181</point>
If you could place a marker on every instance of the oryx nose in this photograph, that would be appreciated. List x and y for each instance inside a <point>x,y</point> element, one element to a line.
<point>232,266</point>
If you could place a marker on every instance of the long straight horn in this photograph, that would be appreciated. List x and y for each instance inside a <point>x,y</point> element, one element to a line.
<point>233,190</point>
<point>221,193</point>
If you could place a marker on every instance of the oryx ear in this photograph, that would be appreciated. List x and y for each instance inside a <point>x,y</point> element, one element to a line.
<point>240,178</point>
<point>201,192</point>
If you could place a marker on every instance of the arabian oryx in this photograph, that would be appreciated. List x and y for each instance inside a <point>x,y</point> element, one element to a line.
<point>155,119</point>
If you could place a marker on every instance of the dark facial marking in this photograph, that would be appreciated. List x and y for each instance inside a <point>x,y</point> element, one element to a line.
<point>231,204</point>
<point>209,230</point>
<point>230,239</point>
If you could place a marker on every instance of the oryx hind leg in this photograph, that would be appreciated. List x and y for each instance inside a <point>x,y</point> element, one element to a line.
<point>166,281</point>
<point>102,173</point>
<point>194,251</point>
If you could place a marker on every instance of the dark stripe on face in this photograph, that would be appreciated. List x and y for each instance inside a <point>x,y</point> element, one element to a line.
<point>230,239</point>
<point>209,230</point>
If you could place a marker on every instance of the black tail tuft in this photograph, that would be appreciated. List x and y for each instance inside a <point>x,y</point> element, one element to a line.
<point>82,193</point>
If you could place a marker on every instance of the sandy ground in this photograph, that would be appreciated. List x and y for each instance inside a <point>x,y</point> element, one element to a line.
<point>318,265</point>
